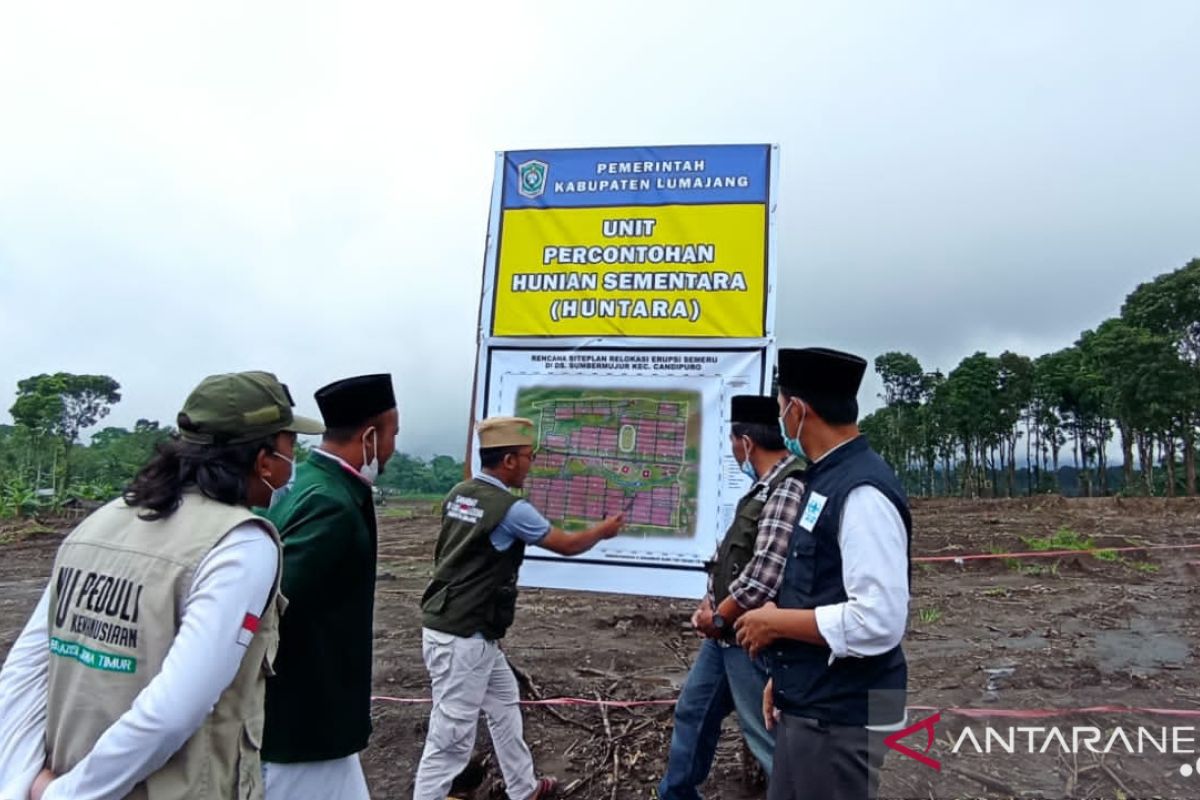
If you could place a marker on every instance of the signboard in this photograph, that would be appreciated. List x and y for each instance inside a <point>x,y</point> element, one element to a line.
<point>668,242</point>
<point>627,295</point>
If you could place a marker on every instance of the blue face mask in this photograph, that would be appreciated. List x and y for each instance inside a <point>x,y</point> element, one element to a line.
<point>793,445</point>
<point>745,466</point>
<point>748,470</point>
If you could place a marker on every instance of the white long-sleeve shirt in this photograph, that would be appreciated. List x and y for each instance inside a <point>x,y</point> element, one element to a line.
<point>234,579</point>
<point>874,546</point>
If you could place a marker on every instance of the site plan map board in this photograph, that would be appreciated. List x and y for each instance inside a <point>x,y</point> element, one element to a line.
<point>628,293</point>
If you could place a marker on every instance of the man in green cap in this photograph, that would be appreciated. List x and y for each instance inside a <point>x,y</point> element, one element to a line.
<point>469,605</point>
<point>319,701</point>
<point>142,671</point>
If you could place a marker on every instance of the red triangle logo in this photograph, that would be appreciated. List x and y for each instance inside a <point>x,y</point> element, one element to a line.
<point>927,725</point>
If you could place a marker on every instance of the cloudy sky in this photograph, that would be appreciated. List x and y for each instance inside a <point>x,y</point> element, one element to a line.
<point>304,187</point>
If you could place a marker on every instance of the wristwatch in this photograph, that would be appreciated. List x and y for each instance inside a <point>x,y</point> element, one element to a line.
<point>720,625</point>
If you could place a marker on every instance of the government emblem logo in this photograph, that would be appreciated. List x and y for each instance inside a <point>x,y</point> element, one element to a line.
<point>531,178</point>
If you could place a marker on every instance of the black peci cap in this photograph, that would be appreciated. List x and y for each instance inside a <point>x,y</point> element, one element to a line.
<point>352,401</point>
<point>753,409</point>
<point>819,372</point>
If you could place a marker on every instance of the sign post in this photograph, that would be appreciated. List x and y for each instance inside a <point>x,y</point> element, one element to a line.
<point>628,293</point>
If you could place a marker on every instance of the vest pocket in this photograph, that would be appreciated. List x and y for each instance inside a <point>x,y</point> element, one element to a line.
<point>505,608</point>
<point>801,569</point>
<point>437,596</point>
<point>270,634</point>
<point>249,768</point>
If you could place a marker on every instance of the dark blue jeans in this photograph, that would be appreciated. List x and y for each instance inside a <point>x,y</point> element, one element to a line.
<point>722,679</point>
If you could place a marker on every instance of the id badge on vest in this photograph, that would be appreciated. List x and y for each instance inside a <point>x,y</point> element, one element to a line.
<point>812,511</point>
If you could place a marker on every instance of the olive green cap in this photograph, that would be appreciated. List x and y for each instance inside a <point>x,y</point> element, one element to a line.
<point>239,407</point>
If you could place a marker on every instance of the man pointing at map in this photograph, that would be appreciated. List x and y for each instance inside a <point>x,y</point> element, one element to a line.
<point>470,603</point>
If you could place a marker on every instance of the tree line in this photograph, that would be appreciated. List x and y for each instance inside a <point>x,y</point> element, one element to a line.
<point>1006,425</point>
<point>994,426</point>
<point>44,464</point>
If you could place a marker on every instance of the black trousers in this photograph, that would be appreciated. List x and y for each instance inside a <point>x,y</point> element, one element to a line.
<point>818,761</point>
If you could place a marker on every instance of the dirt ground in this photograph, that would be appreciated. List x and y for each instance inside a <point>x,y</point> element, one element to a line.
<point>1053,633</point>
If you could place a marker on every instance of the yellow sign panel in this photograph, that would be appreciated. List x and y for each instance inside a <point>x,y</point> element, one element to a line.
<point>676,270</point>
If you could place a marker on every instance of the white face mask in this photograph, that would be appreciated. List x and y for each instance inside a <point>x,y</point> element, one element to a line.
<point>282,491</point>
<point>370,469</point>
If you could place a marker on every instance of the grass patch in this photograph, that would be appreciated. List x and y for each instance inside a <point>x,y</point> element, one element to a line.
<point>996,591</point>
<point>1107,555</point>
<point>1040,570</point>
<point>1013,564</point>
<point>396,512</point>
<point>419,498</point>
<point>1063,539</point>
<point>22,531</point>
<point>929,616</point>
<point>1144,566</point>
<point>407,506</point>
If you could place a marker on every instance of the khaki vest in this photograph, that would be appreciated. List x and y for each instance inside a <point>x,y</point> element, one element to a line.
<point>474,588</point>
<point>116,603</point>
<point>737,547</point>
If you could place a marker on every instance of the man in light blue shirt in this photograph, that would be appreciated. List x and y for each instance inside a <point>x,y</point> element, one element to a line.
<point>469,605</point>
<point>522,523</point>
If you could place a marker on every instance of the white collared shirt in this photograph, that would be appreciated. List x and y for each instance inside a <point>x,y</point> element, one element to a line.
<point>874,545</point>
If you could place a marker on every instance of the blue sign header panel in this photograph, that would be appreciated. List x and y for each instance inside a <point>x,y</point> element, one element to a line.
<point>636,176</point>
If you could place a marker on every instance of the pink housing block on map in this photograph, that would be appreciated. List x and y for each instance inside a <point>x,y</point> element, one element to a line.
<point>657,450</point>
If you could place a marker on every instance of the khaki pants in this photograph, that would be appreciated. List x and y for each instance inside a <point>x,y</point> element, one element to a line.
<point>469,676</point>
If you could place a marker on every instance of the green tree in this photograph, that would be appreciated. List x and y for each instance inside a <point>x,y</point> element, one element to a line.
<point>1049,377</point>
<point>1169,306</point>
<point>902,431</point>
<point>60,406</point>
<point>1148,390</point>
<point>903,379</point>
<point>973,413</point>
<point>1015,388</point>
<point>409,474</point>
<point>114,456</point>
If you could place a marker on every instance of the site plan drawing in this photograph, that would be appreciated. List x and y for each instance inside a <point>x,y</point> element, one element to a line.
<point>611,451</point>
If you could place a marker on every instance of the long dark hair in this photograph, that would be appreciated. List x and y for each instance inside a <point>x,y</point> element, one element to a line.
<point>219,472</point>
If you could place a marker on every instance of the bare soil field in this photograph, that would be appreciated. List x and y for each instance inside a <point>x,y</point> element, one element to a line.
<point>1059,633</point>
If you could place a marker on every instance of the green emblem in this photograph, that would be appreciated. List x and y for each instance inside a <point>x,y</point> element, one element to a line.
<point>531,177</point>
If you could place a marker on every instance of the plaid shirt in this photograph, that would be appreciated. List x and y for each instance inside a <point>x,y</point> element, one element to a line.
<point>759,581</point>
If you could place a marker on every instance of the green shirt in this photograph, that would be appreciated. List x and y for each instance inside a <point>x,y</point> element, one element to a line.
<point>318,703</point>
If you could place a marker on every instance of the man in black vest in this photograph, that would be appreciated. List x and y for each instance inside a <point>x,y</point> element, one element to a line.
<point>744,574</point>
<point>838,674</point>
<point>469,605</point>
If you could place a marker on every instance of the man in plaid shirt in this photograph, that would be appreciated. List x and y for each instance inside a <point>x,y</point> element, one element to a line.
<point>744,574</point>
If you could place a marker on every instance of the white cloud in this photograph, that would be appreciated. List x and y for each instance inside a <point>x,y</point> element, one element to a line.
<point>304,187</point>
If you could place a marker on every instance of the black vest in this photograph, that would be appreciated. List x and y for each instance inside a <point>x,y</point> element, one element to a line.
<point>474,586</point>
<point>737,547</point>
<point>851,691</point>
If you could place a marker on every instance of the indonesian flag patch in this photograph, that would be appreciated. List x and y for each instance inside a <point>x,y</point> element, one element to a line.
<point>248,629</point>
